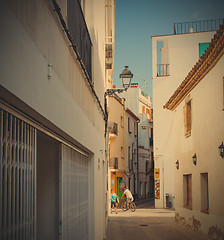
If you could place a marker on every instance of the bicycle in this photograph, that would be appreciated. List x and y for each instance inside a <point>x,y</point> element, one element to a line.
<point>132,206</point>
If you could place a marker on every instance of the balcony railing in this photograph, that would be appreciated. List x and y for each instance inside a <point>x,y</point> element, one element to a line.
<point>197,26</point>
<point>163,70</point>
<point>114,162</point>
<point>113,128</point>
<point>80,34</point>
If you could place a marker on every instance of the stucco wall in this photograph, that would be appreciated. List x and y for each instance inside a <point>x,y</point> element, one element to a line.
<point>183,54</point>
<point>32,39</point>
<point>116,111</point>
<point>206,135</point>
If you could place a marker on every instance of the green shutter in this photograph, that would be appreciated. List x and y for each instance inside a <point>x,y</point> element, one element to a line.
<point>202,48</point>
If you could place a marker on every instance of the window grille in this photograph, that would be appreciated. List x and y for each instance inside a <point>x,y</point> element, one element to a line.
<point>18,178</point>
<point>75,202</point>
<point>80,34</point>
<point>163,70</point>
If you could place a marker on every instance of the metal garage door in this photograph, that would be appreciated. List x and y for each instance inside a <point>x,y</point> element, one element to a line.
<point>75,202</point>
<point>18,178</point>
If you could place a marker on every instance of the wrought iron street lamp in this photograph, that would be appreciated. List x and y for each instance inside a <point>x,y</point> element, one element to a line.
<point>221,150</point>
<point>194,159</point>
<point>177,164</point>
<point>126,77</point>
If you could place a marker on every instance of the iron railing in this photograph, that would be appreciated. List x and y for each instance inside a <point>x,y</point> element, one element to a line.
<point>17,178</point>
<point>197,26</point>
<point>80,34</point>
<point>163,70</point>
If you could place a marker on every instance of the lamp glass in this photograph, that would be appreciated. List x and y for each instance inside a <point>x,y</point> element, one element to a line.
<point>126,82</point>
<point>177,164</point>
<point>194,159</point>
<point>221,150</point>
<point>126,77</point>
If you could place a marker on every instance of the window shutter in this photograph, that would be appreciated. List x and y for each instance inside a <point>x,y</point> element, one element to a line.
<point>185,120</point>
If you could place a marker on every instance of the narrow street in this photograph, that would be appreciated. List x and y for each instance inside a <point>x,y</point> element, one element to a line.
<point>147,223</point>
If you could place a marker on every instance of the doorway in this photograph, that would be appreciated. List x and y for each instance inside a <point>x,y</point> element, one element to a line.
<point>47,188</point>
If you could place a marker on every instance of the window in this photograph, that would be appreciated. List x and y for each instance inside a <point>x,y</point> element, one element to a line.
<point>129,125</point>
<point>147,166</point>
<point>135,128</point>
<point>129,158</point>
<point>116,163</point>
<point>187,191</point>
<point>204,193</point>
<point>122,121</point>
<point>188,117</point>
<point>162,59</point>
<point>202,48</point>
<point>122,152</point>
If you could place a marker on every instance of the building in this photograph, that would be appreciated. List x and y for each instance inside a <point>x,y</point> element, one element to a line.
<point>140,104</point>
<point>123,140</point>
<point>116,130</point>
<point>172,58</point>
<point>52,84</point>
<point>198,103</point>
<point>131,150</point>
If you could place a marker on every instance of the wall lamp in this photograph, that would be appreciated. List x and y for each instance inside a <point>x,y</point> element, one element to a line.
<point>126,77</point>
<point>177,164</point>
<point>194,159</point>
<point>221,150</point>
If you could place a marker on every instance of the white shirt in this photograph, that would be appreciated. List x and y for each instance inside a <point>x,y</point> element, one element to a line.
<point>128,194</point>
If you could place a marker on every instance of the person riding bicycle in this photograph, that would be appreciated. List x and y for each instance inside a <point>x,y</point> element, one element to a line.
<point>129,196</point>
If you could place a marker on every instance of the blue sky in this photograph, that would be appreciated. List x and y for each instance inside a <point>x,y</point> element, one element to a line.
<point>135,23</point>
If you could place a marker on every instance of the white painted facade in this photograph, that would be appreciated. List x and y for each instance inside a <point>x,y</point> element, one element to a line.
<point>180,52</point>
<point>205,210</point>
<point>42,80</point>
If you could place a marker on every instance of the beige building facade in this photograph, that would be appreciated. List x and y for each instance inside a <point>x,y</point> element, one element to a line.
<point>52,84</point>
<point>131,149</point>
<point>198,104</point>
<point>140,104</point>
<point>116,130</point>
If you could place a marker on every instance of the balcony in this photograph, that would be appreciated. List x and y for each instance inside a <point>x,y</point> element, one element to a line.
<point>80,34</point>
<point>197,26</point>
<point>109,56</point>
<point>114,162</point>
<point>162,70</point>
<point>112,128</point>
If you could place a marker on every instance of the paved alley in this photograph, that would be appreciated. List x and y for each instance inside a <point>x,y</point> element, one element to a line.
<point>147,223</point>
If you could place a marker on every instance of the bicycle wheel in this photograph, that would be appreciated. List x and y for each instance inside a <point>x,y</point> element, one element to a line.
<point>124,206</point>
<point>132,206</point>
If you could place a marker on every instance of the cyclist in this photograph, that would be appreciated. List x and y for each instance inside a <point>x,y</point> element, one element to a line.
<point>129,196</point>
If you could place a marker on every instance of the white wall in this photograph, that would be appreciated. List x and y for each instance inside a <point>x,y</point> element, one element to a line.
<point>144,130</point>
<point>32,39</point>
<point>183,54</point>
<point>206,135</point>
